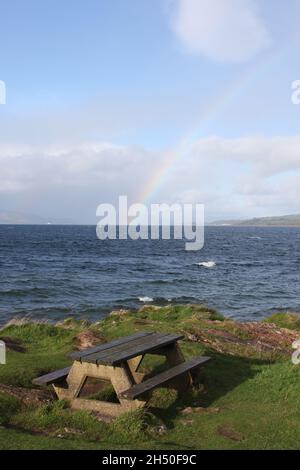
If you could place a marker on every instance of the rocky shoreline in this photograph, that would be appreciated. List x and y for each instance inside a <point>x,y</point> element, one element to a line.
<point>271,339</point>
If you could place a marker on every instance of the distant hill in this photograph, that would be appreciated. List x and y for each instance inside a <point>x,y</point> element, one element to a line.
<point>280,221</point>
<point>19,218</point>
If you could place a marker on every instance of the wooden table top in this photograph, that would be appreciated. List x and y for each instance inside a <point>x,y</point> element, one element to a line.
<point>126,348</point>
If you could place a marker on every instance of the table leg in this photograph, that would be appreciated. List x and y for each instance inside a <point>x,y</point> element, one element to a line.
<point>175,357</point>
<point>134,365</point>
<point>120,377</point>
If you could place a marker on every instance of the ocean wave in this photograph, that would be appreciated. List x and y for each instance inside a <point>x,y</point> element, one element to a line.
<point>172,281</point>
<point>161,301</point>
<point>146,299</point>
<point>25,292</point>
<point>207,264</point>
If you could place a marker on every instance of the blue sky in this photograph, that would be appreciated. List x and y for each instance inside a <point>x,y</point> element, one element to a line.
<point>98,85</point>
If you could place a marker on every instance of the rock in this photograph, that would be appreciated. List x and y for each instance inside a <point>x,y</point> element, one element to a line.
<point>246,339</point>
<point>30,397</point>
<point>72,324</point>
<point>186,410</point>
<point>159,430</point>
<point>210,410</point>
<point>87,339</point>
<point>192,337</point>
<point>122,311</point>
<point>149,308</point>
<point>213,410</point>
<point>199,409</point>
<point>17,321</point>
<point>226,431</point>
<point>72,431</point>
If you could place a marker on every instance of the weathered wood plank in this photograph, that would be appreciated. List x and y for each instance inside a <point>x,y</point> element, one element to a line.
<point>135,343</point>
<point>52,377</point>
<point>135,348</point>
<point>158,342</point>
<point>163,378</point>
<point>78,355</point>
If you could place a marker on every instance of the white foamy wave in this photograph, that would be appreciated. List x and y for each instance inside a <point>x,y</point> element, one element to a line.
<point>145,299</point>
<point>207,264</point>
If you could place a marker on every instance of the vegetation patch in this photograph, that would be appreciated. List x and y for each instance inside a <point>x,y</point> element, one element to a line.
<point>247,397</point>
<point>287,320</point>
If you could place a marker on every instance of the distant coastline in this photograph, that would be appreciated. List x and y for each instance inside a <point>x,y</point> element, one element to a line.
<point>20,218</point>
<point>279,221</point>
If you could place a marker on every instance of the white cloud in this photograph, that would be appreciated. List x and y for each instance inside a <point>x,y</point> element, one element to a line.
<point>267,156</point>
<point>240,177</point>
<point>223,30</point>
<point>78,166</point>
<point>248,176</point>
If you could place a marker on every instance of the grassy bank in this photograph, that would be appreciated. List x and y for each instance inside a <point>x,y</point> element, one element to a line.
<point>248,397</point>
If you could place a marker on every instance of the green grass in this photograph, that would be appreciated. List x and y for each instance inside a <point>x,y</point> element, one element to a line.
<point>46,349</point>
<point>241,401</point>
<point>287,320</point>
<point>8,407</point>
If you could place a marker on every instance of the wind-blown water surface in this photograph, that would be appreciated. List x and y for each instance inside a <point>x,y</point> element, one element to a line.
<point>53,272</point>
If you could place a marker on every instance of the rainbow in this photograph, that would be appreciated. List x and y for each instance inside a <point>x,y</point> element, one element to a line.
<point>171,157</point>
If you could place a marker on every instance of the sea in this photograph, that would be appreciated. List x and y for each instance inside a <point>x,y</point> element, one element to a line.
<point>54,272</point>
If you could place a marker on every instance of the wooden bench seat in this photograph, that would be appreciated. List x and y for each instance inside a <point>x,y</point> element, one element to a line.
<point>54,377</point>
<point>163,378</point>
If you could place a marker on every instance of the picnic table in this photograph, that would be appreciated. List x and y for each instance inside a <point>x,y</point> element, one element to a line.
<point>118,363</point>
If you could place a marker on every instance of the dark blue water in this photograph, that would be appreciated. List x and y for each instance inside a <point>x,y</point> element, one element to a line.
<point>53,272</point>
